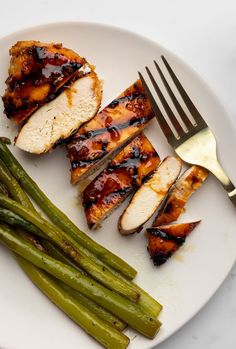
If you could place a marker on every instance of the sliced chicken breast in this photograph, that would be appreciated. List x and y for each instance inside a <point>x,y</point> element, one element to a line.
<point>124,174</point>
<point>60,118</point>
<point>164,240</point>
<point>186,185</point>
<point>149,196</point>
<point>108,131</point>
<point>37,72</point>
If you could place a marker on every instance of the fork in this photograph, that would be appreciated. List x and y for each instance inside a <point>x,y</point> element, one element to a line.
<point>196,144</point>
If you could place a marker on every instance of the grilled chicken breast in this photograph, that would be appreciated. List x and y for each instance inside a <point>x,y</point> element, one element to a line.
<point>58,119</point>
<point>186,185</point>
<point>149,196</point>
<point>124,173</point>
<point>37,71</point>
<point>110,129</point>
<point>163,241</point>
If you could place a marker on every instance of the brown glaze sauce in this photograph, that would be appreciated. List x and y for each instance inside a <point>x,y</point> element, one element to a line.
<point>166,235</point>
<point>170,211</point>
<point>124,173</point>
<point>46,72</point>
<point>50,65</point>
<point>83,150</point>
<point>109,130</point>
<point>164,241</point>
<point>69,94</point>
<point>45,66</point>
<point>161,247</point>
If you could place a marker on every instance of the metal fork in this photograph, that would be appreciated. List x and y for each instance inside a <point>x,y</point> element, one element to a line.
<point>195,145</point>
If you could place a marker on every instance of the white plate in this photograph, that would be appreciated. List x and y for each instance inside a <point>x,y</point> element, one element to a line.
<point>186,282</point>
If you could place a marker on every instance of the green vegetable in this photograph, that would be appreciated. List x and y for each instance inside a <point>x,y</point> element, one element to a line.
<point>13,186</point>
<point>127,311</point>
<point>7,216</point>
<point>147,302</point>
<point>103,332</point>
<point>58,254</point>
<point>41,279</point>
<point>87,263</point>
<point>47,282</point>
<point>3,189</point>
<point>5,140</point>
<point>72,248</point>
<point>12,218</point>
<point>96,309</point>
<point>59,218</point>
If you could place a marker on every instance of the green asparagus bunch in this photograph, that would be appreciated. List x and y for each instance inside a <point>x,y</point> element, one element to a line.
<point>89,283</point>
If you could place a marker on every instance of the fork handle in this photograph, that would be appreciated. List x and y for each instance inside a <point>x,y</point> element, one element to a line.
<point>232,196</point>
<point>220,174</point>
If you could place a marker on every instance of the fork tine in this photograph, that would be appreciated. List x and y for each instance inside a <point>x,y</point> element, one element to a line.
<point>191,107</point>
<point>160,117</point>
<point>166,106</point>
<point>180,110</point>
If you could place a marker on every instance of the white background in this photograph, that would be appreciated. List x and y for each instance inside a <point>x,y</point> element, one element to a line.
<point>203,33</point>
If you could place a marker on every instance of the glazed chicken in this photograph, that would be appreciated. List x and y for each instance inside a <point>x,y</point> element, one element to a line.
<point>149,196</point>
<point>186,185</point>
<point>163,241</point>
<point>124,174</point>
<point>108,131</point>
<point>58,119</point>
<point>37,72</point>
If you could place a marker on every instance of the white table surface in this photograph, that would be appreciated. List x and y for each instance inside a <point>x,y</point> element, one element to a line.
<point>203,33</point>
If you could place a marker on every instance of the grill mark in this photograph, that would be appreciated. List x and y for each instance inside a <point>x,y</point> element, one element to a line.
<point>165,236</point>
<point>118,192</point>
<point>111,187</point>
<point>169,208</point>
<point>123,99</point>
<point>47,68</point>
<point>121,191</point>
<point>92,134</point>
<point>132,122</point>
<point>84,163</point>
<point>10,107</point>
<point>104,146</point>
<point>130,164</point>
<point>161,257</point>
<point>89,161</point>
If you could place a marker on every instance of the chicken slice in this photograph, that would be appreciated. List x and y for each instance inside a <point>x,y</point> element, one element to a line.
<point>186,185</point>
<point>149,196</point>
<point>125,173</point>
<point>37,71</point>
<point>108,131</point>
<point>58,119</point>
<point>164,240</point>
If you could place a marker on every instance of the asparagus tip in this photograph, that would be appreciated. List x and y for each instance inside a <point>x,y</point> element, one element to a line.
<point>6,140</point>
